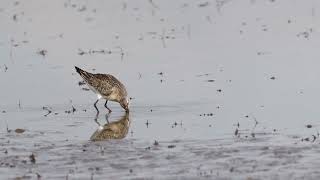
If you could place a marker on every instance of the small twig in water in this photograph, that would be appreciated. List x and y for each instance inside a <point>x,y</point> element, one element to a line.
<point>47,109</point>
<point>19,104</point>
<point>121,52</point>
<point>8,130</point>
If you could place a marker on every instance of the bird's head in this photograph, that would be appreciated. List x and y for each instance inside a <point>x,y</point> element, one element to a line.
<point>125,104</point>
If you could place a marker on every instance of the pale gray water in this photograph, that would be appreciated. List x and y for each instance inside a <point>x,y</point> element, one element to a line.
<point>231,84</point>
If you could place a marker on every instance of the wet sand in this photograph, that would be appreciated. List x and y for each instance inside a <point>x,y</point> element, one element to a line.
<point>219,89</point>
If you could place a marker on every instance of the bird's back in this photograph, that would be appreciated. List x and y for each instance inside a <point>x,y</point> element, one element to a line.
<point>104,84</point>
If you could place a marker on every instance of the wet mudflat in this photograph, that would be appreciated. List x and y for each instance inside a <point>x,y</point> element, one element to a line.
<point>219,89</point>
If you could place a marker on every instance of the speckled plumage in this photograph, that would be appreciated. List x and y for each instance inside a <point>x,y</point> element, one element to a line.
<point>105,86</point>
<point>114,130</point>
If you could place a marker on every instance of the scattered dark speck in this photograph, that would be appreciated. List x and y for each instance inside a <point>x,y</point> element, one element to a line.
<point>131,171</point>
<point>67,112</point>
<point>309,126</point>
<point>305,139</point>
<point>203,4</point>
<point>43,52</point>
<point>171,146</point>
<point>273,78</point>
<point>14,17</point>
<point>210,80</point>
<point>219,90</point>
<point>32,158</point>
<point>156,143</point>
<point>38,176</point>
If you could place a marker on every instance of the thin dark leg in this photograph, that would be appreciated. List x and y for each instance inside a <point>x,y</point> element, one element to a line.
<point>96,119</point>
<point>105,105</point>
<point>107,118</point>
<point>95,105</point>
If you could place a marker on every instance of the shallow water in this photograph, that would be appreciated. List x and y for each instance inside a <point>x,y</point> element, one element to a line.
<point>227,89</point>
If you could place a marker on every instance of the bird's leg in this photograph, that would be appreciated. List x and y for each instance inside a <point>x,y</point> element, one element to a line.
<point>105,105</point>
<point>95,105</point>
<point>107,118</point>
<point>96,119</point>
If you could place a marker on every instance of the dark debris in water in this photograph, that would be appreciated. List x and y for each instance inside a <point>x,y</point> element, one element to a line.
<point>147,123</point>
<point>47,109</point>
<point>207,114</point>
<point>200,75</point>
<point>305,34</point>
<point>73,109</point>
<point>5,68</point>
<point>309,139</point>
<point>18,130</point>
<point>32,158</point>
<point>236,132</point>
<point>309,126</point>
<point>43,52</point>
<point>171,146</point>
<point>156,143</point>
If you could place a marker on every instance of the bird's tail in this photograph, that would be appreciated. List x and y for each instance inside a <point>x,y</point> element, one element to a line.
<point>84,74</point>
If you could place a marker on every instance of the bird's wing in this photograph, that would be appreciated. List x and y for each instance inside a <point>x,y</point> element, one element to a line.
<point>102,83</point>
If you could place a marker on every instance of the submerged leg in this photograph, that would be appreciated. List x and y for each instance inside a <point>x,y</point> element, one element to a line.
<point>96,119</point>
<point>107,118</point>
<point>95,105</point>
<point>105,105</point>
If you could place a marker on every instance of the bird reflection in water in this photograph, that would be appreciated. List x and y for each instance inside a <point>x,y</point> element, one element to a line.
<point>114,130</point>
